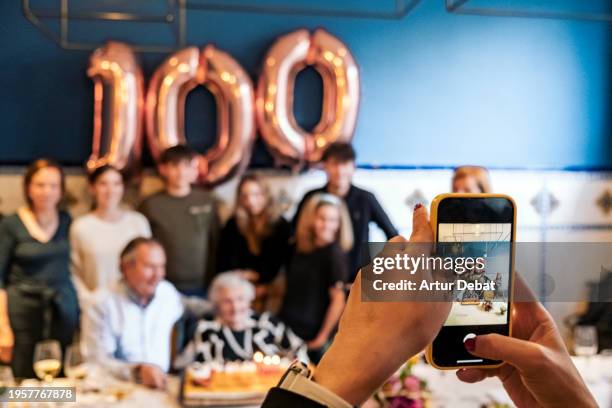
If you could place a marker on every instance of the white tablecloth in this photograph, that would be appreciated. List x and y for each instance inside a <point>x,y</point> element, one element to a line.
<point>446,389</point>
<point>137,396</point>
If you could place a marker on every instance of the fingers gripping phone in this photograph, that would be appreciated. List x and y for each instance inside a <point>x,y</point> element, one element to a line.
<point>474,225</point>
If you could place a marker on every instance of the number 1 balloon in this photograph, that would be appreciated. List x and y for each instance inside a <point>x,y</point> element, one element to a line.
<point>118,107</point>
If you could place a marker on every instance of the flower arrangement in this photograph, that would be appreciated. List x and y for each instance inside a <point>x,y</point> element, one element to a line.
<point>404,389</point>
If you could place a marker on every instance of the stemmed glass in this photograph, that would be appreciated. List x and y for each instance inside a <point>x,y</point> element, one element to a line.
<point>6,380</point>
<point>74,363</point>
<point>585,345</point>
<point>6,376</point>
<point>585,341</point>
<point>47,360</point>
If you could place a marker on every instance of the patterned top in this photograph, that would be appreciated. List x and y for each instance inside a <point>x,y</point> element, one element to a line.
<point>216,342</point>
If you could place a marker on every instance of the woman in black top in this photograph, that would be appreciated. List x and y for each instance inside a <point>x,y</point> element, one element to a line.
<point>255,239</point>
<point>37,298</point>
<point>317,271</point>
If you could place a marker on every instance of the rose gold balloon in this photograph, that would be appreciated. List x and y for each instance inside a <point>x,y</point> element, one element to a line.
<point>165,103</point>
<point>118,107</point>
<point>233,91</point>
<point>289,143</point>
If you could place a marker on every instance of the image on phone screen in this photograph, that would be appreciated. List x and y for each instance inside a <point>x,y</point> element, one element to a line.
<point>482,297</point>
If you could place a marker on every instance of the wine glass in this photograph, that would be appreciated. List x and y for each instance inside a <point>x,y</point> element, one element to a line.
<point>74,363</point>
<point>6,380</point>
<point>6,376</point>
<point>585,341</point>
<point>585,345</point>
<point>47,360</point>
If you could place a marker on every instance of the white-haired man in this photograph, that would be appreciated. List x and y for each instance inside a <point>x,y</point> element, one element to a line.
<point>129,328</point>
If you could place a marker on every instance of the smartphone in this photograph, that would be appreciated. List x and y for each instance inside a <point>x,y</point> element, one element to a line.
<point>477,226</point>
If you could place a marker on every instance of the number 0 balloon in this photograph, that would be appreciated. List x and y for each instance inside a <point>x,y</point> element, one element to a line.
<point>233,91</point>
<point>289,143</point>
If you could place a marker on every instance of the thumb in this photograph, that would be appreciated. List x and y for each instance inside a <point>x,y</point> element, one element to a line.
<point>522,354</point>
<point>421,229</point>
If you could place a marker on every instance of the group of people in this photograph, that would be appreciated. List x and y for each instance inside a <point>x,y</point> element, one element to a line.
<point>152,290</point>
<point>168,284</point>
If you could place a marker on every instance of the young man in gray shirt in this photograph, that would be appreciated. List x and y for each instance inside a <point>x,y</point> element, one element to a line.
<point>185,221</point>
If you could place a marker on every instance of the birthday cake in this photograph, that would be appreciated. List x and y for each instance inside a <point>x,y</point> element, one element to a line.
<point>232,382</point>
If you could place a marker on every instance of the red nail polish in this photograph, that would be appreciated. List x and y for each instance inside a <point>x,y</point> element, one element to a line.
<point>417,206</point>
<point>470,344</point>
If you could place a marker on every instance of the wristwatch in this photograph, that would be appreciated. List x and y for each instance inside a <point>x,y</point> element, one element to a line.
<point>298,379</point>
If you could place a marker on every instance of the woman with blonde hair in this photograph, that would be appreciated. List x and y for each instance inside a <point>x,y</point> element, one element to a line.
<point>255,240</point>
<point>471,179</point>
<point>317,272</point>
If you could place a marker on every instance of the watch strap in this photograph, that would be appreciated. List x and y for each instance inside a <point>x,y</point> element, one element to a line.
<point>297,379</point>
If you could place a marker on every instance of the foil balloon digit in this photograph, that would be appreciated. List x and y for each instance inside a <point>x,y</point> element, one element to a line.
<point>340,75</point>
<point>118,107</point>
<point>288,142</point>
<point>274,104</point>
<point>165,102</point>
<point>233,92</point>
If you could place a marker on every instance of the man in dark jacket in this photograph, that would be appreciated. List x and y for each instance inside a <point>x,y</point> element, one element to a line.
<point>363,207</point>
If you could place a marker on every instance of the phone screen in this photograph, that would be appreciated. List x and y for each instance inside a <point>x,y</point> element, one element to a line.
<point>475,228</point>
<point>483,298</point>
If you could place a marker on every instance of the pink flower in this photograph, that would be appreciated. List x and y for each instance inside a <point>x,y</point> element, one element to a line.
<point>403,402</point>
<point>412,384</point>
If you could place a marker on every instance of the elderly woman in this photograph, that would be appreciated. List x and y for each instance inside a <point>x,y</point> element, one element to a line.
<point>235,333</point>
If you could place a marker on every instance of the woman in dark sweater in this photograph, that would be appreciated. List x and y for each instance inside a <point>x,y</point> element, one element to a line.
<point>37,298</point>
<point>255,239</point>
<point>317,272</point>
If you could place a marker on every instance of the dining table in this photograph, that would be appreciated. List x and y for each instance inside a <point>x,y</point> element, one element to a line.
<point>445,389</point>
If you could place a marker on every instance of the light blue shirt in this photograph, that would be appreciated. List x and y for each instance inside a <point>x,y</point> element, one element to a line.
<point>119,333</point>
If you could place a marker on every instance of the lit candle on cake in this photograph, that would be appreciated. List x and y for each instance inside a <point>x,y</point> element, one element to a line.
<point>258,357</point>
<point>266,364</point>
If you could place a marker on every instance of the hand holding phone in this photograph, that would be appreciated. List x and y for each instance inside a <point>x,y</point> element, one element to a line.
<point>375,338</point>
<point>540,371</point>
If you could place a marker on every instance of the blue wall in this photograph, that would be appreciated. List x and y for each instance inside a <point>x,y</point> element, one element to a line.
<point>438,89</point>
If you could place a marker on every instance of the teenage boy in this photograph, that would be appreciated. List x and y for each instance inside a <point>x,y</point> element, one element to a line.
<point>184,220</point>
<point>339,166</point>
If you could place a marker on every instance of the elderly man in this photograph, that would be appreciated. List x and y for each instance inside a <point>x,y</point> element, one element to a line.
<point>128,329</point>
